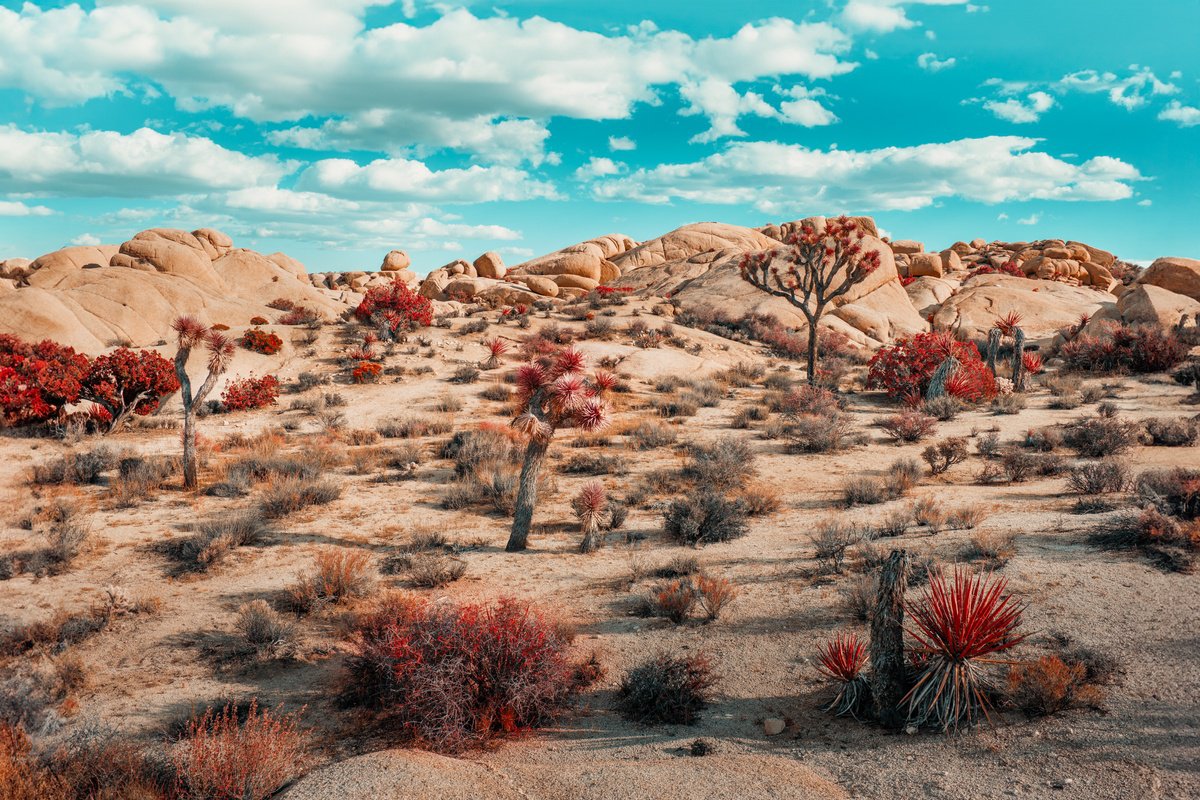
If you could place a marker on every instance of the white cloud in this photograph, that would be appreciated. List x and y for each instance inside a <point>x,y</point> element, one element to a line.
<point>12,208</point>
<point>1129,92</point>
<point>1145,202</point>
<point>930,62</point>
<point>1032,219</point>
<point>599,168</point>
<point>404,179</point>
<point>775,177</point>
<point>1002,216</point>
<point>621,143</point>
<point>1184,116</point>
<point>885,16</point>
<point>462,79</point>
<point>804,109</point>
<point>1021,111</point>
<point>88,239</point>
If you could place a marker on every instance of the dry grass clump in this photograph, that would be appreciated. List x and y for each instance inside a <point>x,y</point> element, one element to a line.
<point>1105,476</point>
<point>759,498</point>
<point>412,428</point>
<point>858,595</point>
<point>650,435</point>
<point>993,549</point>
<point>264,631</point>
<point>1178,432</point>
<point>289,495</point>
<point>234,754</point>
<point>338,575</point>
<point>722,465</point>
<point>1052,685</point>
<point>667,690</point>
<point>747,415</point>
<point>899,480</point>
<point>678,597</point>
<point>831,539</point>
<point>908,426</point>
<point>704,517</point>
<point>965,518</point>
<point>76,469</point>
<point>1009,404</point>
<point>594,464</point>
<point>139,478</point>
<point>217,536</point>
<point>1097,437</point>
<point>943,407</point>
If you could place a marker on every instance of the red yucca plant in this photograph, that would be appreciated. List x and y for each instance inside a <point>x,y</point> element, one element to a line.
<point>496,348</point>
<point>960,626</point>
<point>1009,323</point>
<point>842,660</point>
<point>1033,363</point>
<point>589,506</point>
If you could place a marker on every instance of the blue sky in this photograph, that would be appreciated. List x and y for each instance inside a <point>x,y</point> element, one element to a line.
<point>336,130</point>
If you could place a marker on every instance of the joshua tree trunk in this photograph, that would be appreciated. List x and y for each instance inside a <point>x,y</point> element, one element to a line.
<point>535,453</point>
<point>814,344</point>
<point>190,480</point>
<point>591,536</point>
<point>888,672</point>
<point>1018,370</point>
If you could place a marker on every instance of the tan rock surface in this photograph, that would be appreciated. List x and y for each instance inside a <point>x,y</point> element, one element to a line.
<point>1179,275</point>
<point>1045,306</point>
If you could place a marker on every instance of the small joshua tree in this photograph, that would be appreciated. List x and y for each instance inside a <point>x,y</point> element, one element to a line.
<point>820,266</point>
<point>552,394</point>
<point>1009,327</point>
<point>589,506</point>
<point>496,348</point>
<point>220,350</point>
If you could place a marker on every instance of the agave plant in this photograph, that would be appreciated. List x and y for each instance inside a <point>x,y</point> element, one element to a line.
<point>842,660</point>
<point>960,625</point>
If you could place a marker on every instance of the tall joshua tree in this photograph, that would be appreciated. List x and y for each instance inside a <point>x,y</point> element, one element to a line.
<point>552,394</point>
<point>819,266</point>
<point>220,350</point>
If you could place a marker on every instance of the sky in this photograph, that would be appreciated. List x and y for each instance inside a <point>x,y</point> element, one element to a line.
<point>337,130</point>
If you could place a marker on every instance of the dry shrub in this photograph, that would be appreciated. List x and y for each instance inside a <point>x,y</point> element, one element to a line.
<point>289,495</point>
<point>338,575</point>
<point>264,631</point>
<point>650,434</point>
<point>1178,432</point>
<point>908,426</point>
<point>1106,476</point>
<point>902,476</point>
<point>677,567</point>
<point>942,455</point>
<point>434,570</point>
<point>76,469</point>
<point>928,511</point>
<point>858,595</point>
<point>1101,436</point>
<point>451,677</point>
<point>1171,491</point>
<point>965,518</point>
<point>818,433</point>
<point>674,600</point>
<point>896,522</point>
<point>944,407</point>
<point>830,541</point>
<point>759,498</point>
<point>22,777</point>
<point>864,491</point>
<point>98,764</point>
<point>225,758</point>
<point>669,690</point>
<point>1051,685</point>
<point>722,465</point>
<point>994,549</point>
<point>704,517</point>
<point>714,594</point>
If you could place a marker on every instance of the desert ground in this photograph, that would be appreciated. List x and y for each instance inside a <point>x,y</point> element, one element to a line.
<point>167,643</point>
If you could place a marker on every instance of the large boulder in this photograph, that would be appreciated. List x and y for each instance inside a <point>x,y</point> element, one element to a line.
<point>928,294</point>
<point>907,247</point>
<point>395,261</point>
<point>490,265</point>
<point>926,265</point>
<point>1148,304</point>
<point>1045,306</point>
<point>1179,275</point>
<point>692,240</point>
<point>170,251</point>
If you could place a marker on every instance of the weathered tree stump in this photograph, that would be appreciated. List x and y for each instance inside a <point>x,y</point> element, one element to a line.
<point>888,670</point>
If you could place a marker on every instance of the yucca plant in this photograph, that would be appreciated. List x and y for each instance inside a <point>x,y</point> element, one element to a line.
<point>842,660</point>
<point>960,626</point>
<point>589,506</point>
<point>496,348</point>
<point>552,394</point>
<point>1009,326</point>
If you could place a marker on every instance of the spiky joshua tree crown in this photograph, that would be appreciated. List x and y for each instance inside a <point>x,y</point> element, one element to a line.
<point>553,394</point>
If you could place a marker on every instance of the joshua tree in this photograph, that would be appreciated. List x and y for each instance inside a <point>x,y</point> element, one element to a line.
<point>888,666</point>
<point>1009,326</point>
<point>820,266</point>
<point>589,506</point>
<point>220,351</point>
<point>552,394</point>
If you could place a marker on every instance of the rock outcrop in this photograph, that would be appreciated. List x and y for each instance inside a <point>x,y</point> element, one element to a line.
<point>1179,275</point>
<point>1045,306</point>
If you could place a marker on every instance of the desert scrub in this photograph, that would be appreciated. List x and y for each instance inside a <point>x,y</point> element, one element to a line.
<point>650,435</point>
<point>726,463</point>
<point>908,426</point>
<point>289,495</point>
<point>704,517</point>
<point>667,690</point>
<point>338,575</point>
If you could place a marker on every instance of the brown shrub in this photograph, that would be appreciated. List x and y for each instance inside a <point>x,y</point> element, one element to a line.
<point>1051,685</point>
<point>338,575</point>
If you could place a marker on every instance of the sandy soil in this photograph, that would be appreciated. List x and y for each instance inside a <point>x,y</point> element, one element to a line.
<point>150,672</point>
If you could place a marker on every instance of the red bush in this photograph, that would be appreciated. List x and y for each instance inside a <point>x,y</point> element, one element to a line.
<point>126,381</point>
<point>452,676</point>
<point>251,393</point>
<point>259,321</point>
<point>904,369</point>
<point>37,380</point>
<point>299,316</point>
<point>281,304</point>
<point>366,372</point>
<point>261,341</point>
<point>1124,348</point>
<point>224,759</point>
<point>396,307</point>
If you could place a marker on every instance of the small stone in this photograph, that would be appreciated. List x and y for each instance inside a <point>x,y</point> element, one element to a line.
<point>911,730</point>
<point>773,726</point>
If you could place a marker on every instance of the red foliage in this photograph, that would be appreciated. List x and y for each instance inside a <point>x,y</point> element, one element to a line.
<point>842,658</point>
<point>1033,363</point>
<point>605,291</point>
<point>453,677</point>
<point>1124,348</point>
<point>299,316</point>
<point>362,352</point>
<point>1009,323</point>
<point>129,380</point>
<point>38,380</point>
<point>281,304</point>
<point>904,369</point>
<point>261,341</point>
<point>259,321</point>
<point>552,394</point>
<point>1007,268</point>
<point>250,393</point>
<point>366,372</point>
<point>906,280</point>
<point>396,307</point>
<point>225,759</point>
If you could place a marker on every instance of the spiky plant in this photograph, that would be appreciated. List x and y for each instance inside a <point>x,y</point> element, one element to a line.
<point>192,333</point>
<point>551,394</point>
<point>496,348</point>
<point>1033,363</point>
<point>941,377</point>
<point>590,505</point>
<point>842,660</point>
<point>960,625</point>
<point>1009,327</point>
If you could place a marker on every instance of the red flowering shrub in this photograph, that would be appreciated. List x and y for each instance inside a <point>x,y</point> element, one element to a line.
<point>261,341</point>
<point>1007,268</point>
<point>251,393</point>
<point>904,369</point>
<point>127,381</point>
<point>1124,348</point>
<point>906,280</point>
<point>37,380</point>
<point>452,677</point>
<point>396,308</point>
<point>366,372</point>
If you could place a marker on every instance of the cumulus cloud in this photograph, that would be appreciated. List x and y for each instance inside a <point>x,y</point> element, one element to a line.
<point>599,168</point>
<point>144,163</point>
<point>931,63</point>
<point>1184,116</point>
<point>786,178</point>
<point>88,239</point>
<point>406,179</point>
<point>1032,219</point>
<point>885,16</point>
<point>1021,110</point>
<point>482,84</point>
<point>13,208</point>
<point>621,143</point>
<point>804,108</point>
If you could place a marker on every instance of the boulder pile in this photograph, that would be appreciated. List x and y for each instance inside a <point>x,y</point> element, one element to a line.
<point>1069,262</point>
